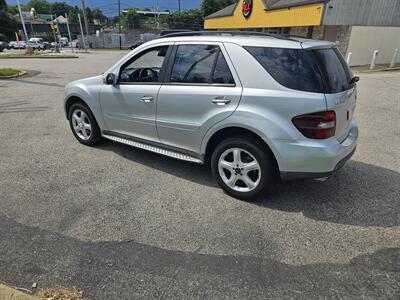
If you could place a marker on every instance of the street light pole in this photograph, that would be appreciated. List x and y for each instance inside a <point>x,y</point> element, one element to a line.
<point>69,33</point>
<point>85,17</point>
<point>119,24</point>
<point>83,36</point>
<point>22,21</point>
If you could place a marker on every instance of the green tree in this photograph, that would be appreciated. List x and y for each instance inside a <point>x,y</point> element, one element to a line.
<point>211,6</point>
<point>8,25</point>
<point>61,8</point>
<point>131,18</point>
<point>188,19</point>
<point>41,6</point>
<point>98,15</point>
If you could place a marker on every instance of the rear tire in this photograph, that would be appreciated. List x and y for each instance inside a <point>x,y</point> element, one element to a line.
<point>83,125</point>
<point>243,167</point>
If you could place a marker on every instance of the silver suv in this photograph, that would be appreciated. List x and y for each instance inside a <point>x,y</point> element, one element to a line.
<point>253,106</point>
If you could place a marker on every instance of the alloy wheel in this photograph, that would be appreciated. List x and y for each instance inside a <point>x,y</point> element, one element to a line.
<point>81,124</point>
<point>239,170</point>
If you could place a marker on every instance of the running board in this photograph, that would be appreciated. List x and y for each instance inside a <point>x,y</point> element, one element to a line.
<point>153,148</point>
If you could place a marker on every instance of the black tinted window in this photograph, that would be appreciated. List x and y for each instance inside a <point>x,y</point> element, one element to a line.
<point>194,63</point>
<point>290,67</point>
<point>222,74</point>
<point>318,71</point>
<point>334,69</point>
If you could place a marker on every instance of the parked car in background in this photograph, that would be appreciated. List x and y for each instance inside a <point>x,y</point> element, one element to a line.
<point>3,45</point>
<point>63,41</point>
<point>145,37</point>
<point>46,45</point>
<point>251,106</point>
<point>17,45</point>
<point>35,45</point>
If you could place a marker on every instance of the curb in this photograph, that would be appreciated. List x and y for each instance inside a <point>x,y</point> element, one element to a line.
<point>38,57</point>
<point>381,70</point>
<point>7,293</point>
<point>22,73</point>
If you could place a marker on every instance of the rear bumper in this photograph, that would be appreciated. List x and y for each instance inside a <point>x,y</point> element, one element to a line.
<point>313,175</point>
<point>315,158</point>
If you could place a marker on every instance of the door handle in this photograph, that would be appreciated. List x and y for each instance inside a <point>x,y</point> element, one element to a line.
<point>220,101</point>
<point>146,99</point>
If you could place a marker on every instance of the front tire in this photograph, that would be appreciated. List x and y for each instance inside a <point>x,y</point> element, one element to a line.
<point>83,125</point>
<point>243,167</point>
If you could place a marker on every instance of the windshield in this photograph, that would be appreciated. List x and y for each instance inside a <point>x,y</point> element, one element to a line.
<point>318,71</point>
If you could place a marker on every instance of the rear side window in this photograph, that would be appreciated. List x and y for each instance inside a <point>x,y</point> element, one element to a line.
<point>317,71</point>
<point>200,64</point>
<point>222,74</point>
<point>334,69</point>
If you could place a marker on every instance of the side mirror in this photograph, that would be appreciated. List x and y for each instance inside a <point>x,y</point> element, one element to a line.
<point>110,79</point>
<point>355,79</point>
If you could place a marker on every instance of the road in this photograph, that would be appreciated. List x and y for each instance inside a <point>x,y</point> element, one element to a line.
<point>122,223</point>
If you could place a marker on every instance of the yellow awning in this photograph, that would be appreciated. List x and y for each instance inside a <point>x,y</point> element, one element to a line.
<point>262,17</point>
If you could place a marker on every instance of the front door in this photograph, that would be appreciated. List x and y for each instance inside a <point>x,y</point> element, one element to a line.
<point>129,106</point>
<point>200,90</point>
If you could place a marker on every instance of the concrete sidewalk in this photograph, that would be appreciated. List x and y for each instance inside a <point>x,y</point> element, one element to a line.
<point>7,293</point>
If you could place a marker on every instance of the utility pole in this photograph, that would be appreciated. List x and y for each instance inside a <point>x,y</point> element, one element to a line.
<point>85,17</point>
<point>69,33</point>
<point>22,21</point>
<point>179,5</point>
<point>83,36</point>
<point>119,24</point>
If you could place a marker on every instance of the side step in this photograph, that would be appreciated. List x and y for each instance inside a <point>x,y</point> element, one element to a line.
<point>153,148</point>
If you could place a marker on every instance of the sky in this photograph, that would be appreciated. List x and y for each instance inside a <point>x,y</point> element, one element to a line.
<point>109,7</point>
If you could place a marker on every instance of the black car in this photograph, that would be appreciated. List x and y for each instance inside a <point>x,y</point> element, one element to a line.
<point>3,45</point>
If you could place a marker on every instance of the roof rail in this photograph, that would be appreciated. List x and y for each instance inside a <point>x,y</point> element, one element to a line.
<point>229,33</point>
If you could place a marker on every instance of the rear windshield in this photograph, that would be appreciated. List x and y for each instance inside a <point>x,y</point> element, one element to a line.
<point>317,71</point>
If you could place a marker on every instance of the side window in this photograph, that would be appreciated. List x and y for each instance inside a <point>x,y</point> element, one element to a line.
<point>145,68</point>
<point>292,68</point>
<point>194,63</point>
<point>222,74</point>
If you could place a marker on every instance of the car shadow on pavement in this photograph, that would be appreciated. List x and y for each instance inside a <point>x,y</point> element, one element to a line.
<point>131,270</point>
<point>359,194</point>
<point>186,170</point>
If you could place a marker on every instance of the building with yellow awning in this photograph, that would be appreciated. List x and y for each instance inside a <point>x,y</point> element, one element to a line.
<point>358,26</point>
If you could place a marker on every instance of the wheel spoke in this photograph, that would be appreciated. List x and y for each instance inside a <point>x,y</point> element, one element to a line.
<point>85,133</point>
<point>251,166</point>
<point>87,126</point>
<point>83,116</point>
<point>76,117</point>
<point>232,180</point>
<point>236,156</point>
<point>248,182</point>
<point>226,165</point>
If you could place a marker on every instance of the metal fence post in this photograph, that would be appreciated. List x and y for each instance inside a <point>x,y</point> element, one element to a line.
<point>394,58</point>
<point>348,59</point>
<point>373,61</point>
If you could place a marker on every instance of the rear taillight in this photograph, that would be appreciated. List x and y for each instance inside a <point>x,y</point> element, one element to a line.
<point>321,125</point>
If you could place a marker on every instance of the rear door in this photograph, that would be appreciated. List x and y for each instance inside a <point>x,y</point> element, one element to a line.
<point>340,93</point>
<point>201,89</point>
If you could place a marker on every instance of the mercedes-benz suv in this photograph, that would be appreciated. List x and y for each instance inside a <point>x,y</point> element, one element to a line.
<point>252,106</point>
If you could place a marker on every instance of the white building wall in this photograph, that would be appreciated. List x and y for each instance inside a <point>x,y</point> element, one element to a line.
<point>365,39</point>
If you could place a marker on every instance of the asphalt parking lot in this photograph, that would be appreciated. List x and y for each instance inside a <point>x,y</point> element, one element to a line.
<point>122,223</point>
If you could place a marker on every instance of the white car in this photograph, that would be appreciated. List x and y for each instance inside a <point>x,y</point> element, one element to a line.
<point>17,45</point>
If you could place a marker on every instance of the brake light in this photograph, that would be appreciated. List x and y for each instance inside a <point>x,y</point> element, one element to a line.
<point>321,125</point>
